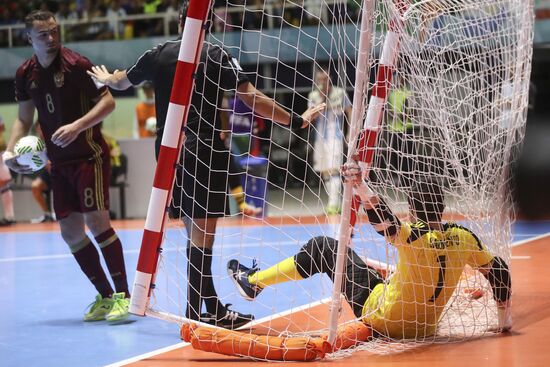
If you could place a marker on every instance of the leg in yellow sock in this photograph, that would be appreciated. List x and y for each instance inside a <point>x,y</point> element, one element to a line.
<point>279,273</point>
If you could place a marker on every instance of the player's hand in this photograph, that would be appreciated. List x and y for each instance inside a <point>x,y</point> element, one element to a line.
<point>351,172</point>
<point>504,311</point>
<point>101,74</point>
<point>65,135</point>
<point>10,159</point>
<point>311,114</point>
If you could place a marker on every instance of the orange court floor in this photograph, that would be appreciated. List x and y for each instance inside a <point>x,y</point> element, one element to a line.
<point>526,345</point>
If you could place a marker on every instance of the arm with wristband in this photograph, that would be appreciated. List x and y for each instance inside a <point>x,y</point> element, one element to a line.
<point>378,212</point>
<point>498,275</point>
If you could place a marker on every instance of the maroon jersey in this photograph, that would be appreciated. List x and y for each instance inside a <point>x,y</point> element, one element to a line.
<point>62,93</point>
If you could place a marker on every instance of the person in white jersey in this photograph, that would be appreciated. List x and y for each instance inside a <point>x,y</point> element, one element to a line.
<point>329,134</point>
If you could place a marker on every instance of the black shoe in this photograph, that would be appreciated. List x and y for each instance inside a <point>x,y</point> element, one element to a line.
<point>6,222</point>
<point>226,318</point>
<point>239,274</point>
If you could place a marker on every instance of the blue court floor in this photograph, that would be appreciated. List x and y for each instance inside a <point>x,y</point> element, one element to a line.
<point>44,295</point>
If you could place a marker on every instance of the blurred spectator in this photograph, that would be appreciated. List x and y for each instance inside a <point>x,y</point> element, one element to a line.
<point>6,195</point>
<point>171,9</point>
<point>91,30</point>
<point>153,27</point>
<point>253,15</point>
<point>115,27</point>
<point>329,134</point>
<point>41,191</point>
<point>227,16</point>
<point>245,128</point>
<point>130,6</point>
<point>115,154</point>
<point>64,12</point>
<point>146,121</point>
<point>41,188</point>
<point>314,10</point>
<point>241,127</point>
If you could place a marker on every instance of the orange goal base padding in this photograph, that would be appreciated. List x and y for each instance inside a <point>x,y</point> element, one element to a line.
<point>350,335</point>
<point>236,343</point>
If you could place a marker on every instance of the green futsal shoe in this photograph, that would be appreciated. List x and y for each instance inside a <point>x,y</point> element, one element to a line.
<point>99,309</point>
<point>119,311</point>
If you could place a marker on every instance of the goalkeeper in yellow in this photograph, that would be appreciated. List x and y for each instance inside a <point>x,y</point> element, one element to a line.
<point>431,258</point>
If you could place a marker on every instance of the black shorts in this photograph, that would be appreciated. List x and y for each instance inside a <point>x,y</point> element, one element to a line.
<point>318,255</point>
<point>200,188</point>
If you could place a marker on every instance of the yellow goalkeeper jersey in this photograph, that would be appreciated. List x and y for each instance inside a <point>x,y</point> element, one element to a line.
<point>429,268</point>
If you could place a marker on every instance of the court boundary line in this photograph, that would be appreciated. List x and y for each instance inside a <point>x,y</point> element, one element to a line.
<point>148,355</point>
<point>267,318</point>
<point>524,241</point>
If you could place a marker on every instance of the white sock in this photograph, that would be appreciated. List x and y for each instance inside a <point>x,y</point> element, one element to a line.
<point>7,204</point>
<point>333,191</point>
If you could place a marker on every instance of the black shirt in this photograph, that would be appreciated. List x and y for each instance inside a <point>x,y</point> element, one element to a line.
<point>223,73</point>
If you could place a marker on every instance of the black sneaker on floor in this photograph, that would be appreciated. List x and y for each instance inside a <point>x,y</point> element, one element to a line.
<point>6,222</point>
<point>227,318</point>
<point>239,275</point>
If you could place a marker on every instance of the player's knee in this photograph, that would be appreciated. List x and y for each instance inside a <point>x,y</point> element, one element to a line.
<point>316,256</point>
<point>77,245</point>
<point>5,186</point>
<point>97,221</point>
<point>321,245</point>
<point>75,239</point>
<point>36,185</point>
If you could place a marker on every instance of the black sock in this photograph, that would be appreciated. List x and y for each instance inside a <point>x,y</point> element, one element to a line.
<point>201,285</point>
<point>194,275</point>
<point>211,300</point>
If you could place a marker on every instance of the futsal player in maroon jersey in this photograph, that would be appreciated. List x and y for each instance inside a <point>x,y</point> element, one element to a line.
<point>70,107</point>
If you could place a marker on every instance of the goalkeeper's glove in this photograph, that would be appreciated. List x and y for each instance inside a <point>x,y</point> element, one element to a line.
<point>352,173</point>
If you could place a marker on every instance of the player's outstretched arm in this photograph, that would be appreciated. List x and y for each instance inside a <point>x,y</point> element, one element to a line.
<point>498,275</point>
<point>20,128</point>
<point>117,80</point>
<point>267,108</point>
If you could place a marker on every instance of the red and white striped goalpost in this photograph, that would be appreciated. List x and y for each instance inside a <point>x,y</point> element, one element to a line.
<point>172,139</point>
<point>364,142</point>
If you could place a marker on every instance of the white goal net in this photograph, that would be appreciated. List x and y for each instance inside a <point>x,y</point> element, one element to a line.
<point>455,81</point>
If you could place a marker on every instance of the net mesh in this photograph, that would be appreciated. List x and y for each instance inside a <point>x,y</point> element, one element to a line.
<point>455,114</point>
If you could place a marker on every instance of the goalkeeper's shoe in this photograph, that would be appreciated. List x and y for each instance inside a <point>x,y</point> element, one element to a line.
<point>239,274</point>
<point>119,311</point>
<point>226,318</point>
<point>99,309</point>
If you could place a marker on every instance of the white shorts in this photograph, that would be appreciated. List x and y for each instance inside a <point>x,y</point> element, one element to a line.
<point>5,174</point>
<point>328,155</point>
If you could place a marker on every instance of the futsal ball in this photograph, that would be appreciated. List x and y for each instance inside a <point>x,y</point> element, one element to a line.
<point>151,124</point>
<point>31,152</point>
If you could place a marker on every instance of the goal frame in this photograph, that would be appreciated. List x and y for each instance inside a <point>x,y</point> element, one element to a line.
<point>172,139</point>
